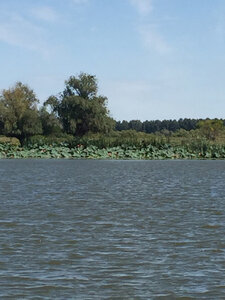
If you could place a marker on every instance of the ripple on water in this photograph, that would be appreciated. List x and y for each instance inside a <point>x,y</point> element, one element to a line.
<point>112,229</point>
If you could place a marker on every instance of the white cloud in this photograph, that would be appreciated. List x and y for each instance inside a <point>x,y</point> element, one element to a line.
<point>45,13</point>
<point>18,31</point>
<point>149,35</point>
<point>143,7</point>
<point>153,40</point>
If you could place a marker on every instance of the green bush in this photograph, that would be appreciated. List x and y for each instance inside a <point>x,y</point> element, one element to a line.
<point>41,140</point>
<point>9,140</point>
<point>121,138</point>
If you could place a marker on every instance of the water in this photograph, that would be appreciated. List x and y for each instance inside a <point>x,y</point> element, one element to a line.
<point>85,229</point>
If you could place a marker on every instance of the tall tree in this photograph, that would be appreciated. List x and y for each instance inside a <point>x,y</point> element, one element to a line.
<point>79,107</point>
<point>18,112</point>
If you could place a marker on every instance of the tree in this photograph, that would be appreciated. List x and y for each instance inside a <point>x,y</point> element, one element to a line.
<point>210,128</point>
<point>18,112</point>
<point>2,113</point>
<point>85,86</point>
<point>79,108</point>
<point>50,123</point>
<point>124,125</point>
<point>135,125</point>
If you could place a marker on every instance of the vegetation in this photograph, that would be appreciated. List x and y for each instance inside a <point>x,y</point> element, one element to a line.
<point>211,128</point>
<point>76,124</point>
<point>79,108</point>
<point>164,151</point>
<point>18,112</point>
<point>157,125</point>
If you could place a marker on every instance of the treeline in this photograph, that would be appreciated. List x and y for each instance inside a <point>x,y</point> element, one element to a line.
<point>80,114</point>
<point>165,126</point>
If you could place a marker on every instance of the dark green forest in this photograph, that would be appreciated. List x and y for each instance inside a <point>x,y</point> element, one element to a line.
<point>78,115</point>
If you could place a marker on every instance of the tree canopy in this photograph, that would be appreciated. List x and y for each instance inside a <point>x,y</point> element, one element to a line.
<point>84,86</point>
<point>210,128</point>
<point>18,112</point>
<point>79,108</point>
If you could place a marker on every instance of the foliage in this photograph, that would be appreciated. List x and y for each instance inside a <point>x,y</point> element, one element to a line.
<point>210,128</point>
<point>80,109</point>
<point>117,138</point>
<point>9,140</point>
<point>50,123</point>
<point>50,140</point>
<point>165,151</point>
<point>79,116</point>
<point>157,125</point>
<point>18,112</point>
<point>84,86</point>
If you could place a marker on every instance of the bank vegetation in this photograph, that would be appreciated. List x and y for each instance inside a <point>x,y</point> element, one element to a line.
<point>77,124</point>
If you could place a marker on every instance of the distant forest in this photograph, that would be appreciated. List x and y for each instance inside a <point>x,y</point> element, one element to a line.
<point>159,126</point>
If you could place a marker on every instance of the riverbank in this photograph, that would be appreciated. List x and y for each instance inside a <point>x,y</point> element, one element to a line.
<point>121,152</point>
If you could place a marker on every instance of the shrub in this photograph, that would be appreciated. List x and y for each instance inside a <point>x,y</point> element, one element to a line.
<point>40,140</point>
<point>9,140</point>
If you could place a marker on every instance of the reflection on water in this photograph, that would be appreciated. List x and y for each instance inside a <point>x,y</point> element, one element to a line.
<point>112,229</point>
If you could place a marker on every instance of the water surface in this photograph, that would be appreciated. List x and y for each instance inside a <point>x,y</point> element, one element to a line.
<point>86,229</point>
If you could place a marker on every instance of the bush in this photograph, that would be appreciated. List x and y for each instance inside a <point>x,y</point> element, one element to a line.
<point>121,138</point>
<point>9,140</point>
<point>40,140</point>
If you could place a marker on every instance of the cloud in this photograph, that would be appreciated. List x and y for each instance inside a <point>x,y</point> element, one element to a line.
<point>149,34</point>
<point>45,13</point>
<point>144,7</point>
<point>18,31</point>
<point>153,40</point>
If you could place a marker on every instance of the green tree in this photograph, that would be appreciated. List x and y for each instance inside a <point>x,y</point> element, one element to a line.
<point>2,113</point>
<point>50,123</point>
<point>84,86</point>
<point>79,107</point>
<point>135,125</point>
<point>210,128</point>
<point>18,112</point>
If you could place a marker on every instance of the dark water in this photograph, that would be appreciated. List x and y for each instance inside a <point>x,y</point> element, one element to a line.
<point>112,229</point>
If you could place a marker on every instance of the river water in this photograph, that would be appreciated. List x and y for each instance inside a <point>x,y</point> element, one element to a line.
<point>95,229</point>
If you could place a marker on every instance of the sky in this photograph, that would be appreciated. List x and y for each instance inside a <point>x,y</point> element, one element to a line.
<point>154,59</point>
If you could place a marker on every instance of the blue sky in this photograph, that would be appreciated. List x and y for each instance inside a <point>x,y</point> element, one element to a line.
<point>154,59</point>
